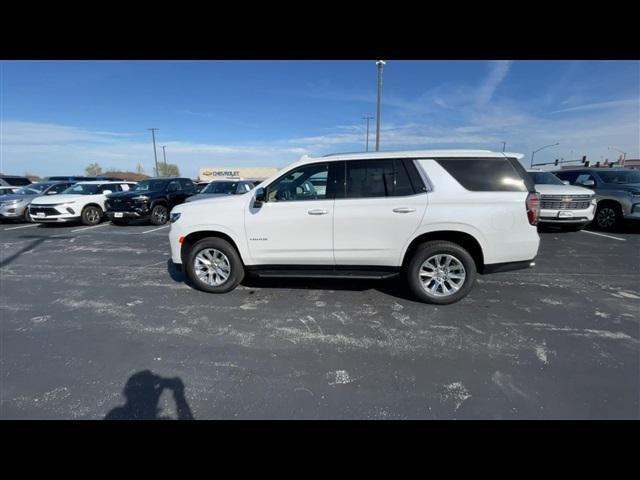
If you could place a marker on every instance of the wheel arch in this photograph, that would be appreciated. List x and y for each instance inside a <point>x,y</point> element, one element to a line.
<point>194,237</point>
<point>466,240</point>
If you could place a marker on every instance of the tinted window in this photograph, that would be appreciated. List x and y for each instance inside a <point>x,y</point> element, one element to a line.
<point>545,178</point>
<point>569,176</point>
<point>17,181</point>
<point>150,185</point>
<point>83,189</point>
<point>620,176</point>
<point>484,175</point>
<point>227,188</point>
<point>187,185</point>
<point>583,177</point>
<point>377,178</point>
<point>305,183</point>
<point>58,188</point>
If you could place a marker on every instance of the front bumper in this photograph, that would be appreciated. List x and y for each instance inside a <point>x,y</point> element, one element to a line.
<point>567,217</point>
<point>634,213</point>
<point>111,215</point>
<point>53,214</point>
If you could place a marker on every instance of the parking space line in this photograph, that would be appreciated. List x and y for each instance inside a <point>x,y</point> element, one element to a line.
<point>156,229</point>
<point>87,228</point>
<point>603,235</point>
<point>22,226</point>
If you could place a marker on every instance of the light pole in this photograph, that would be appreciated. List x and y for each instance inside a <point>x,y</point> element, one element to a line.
<point>367,138</point>
<point>155,155</point>
<point>380,64</point>
<point>164,154</point>
<point>624,155</point>
<point>504,145</point>
<point>541,148</point>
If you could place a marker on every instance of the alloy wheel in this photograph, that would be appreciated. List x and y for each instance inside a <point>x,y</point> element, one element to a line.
<point>442,275</point>
<point>212,267</point>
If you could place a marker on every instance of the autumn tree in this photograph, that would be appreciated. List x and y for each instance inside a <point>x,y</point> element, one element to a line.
<point>93,170</point>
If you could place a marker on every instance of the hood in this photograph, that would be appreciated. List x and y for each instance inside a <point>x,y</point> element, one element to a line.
<point>60,198</point>
<point>218,200</point>
<point>204,196</point>
<point>562,190</point>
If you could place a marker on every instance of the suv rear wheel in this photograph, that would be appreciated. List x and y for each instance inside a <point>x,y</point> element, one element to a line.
<point>214,266</point>
<point>441,272</point>
<point>159,215</point>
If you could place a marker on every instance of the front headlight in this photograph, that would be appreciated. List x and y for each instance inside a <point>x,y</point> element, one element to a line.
<point>174,217</point>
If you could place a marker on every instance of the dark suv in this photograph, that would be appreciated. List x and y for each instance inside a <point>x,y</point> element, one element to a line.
<point>153,198</point>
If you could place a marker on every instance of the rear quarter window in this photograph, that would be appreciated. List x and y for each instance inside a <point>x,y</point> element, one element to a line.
<point>484,174</point>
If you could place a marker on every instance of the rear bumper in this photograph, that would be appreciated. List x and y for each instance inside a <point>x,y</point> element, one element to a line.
<point>564,221</point>
<point>507,266</point>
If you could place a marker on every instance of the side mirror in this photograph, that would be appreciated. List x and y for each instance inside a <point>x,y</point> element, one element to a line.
<point>589,183</point>
<point>107,192</point>
<point>566,182</point>
<point>260,198</point>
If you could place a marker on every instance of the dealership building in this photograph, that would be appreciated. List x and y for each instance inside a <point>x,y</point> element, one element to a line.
<point>235,173</point>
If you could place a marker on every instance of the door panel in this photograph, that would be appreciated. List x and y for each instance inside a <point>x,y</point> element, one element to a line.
<point>373,231</point>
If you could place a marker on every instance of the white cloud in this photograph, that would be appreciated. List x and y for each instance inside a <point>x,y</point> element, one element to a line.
<point>601,105</point>
<point>497,74</point>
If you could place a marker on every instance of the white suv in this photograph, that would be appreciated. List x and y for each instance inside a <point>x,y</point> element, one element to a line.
<point>437,217</point>
<point>82,202</point>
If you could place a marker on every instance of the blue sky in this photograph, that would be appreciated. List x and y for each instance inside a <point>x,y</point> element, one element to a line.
<point>56,117</point>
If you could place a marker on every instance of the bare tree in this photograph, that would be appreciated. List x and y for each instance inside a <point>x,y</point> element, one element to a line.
<point>93,170</point>
<point>168,170</point>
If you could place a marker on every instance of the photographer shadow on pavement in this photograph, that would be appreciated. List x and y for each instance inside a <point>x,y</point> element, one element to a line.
<point>142,392</point>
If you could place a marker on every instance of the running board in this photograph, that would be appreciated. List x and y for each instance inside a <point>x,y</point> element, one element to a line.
<point>353,274</point>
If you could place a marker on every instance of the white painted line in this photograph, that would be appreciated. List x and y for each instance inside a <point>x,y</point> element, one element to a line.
<point>23,226</point>
<point>87,228</point>
<point>156,229</point>
<point>603,235</point>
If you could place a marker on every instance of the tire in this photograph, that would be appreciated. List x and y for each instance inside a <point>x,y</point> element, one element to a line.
<point>434,292</point>
<point>608,216</point>
<point>120,222</point>
<point>159,215</point>
<point>226,256</point>
<point>91,215</point>
<point>26,217</point>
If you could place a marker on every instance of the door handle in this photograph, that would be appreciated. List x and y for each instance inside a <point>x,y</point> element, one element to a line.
<point>317,211</point>
<point>404,210</point>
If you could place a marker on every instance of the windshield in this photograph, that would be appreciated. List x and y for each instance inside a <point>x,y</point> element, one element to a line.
<point>150,185</point>
<point>620,176</point>
<point>545,178</point>
<point>220,187</point>
<point>83,189</point>
<point>33,189</point>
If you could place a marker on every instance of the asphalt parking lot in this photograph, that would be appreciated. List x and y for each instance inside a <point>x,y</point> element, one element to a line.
<point>84,309</point>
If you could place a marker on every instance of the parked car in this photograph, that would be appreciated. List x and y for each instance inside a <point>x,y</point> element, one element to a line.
<point>565,206</point>
<point>14,181</point>
<point>82,202</point>
<point>617,192</point>
<point>7,190</point>
<point>16,206</point>
<point>153,199</point>
<point>72,178</point>
<point>200,186</point>
<point>221,188</point>
<point>436,217</point>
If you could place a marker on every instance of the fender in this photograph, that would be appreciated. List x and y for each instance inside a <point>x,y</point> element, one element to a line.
<point>445,226</point>
<point>239,240</point>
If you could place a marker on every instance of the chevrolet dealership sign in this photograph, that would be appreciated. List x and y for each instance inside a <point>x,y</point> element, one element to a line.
<point>250,173</point>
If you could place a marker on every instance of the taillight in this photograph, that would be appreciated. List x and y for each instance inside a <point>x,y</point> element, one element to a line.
<point>533,207</point>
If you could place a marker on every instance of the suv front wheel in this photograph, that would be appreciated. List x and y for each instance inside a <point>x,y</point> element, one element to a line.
<point>441,272</point>
<point>214,266</point>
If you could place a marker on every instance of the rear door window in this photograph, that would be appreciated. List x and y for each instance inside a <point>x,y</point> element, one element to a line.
<point>484,174</point>
<point>378,178</point>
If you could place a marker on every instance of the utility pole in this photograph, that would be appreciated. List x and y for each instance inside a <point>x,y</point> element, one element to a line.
<point>504,145</point>
<point>380,64</point>
<point>164,154</point>
<point>155,154</point>
<point>367,140</point>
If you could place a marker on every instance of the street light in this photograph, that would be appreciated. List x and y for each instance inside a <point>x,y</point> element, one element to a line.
<point>380,64</point>
<point>624,155</point>
<point>164,154</point>
<point>504,145</point>
<point>541,148</point>
<point>367,141</point>
<point>155,155</point>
